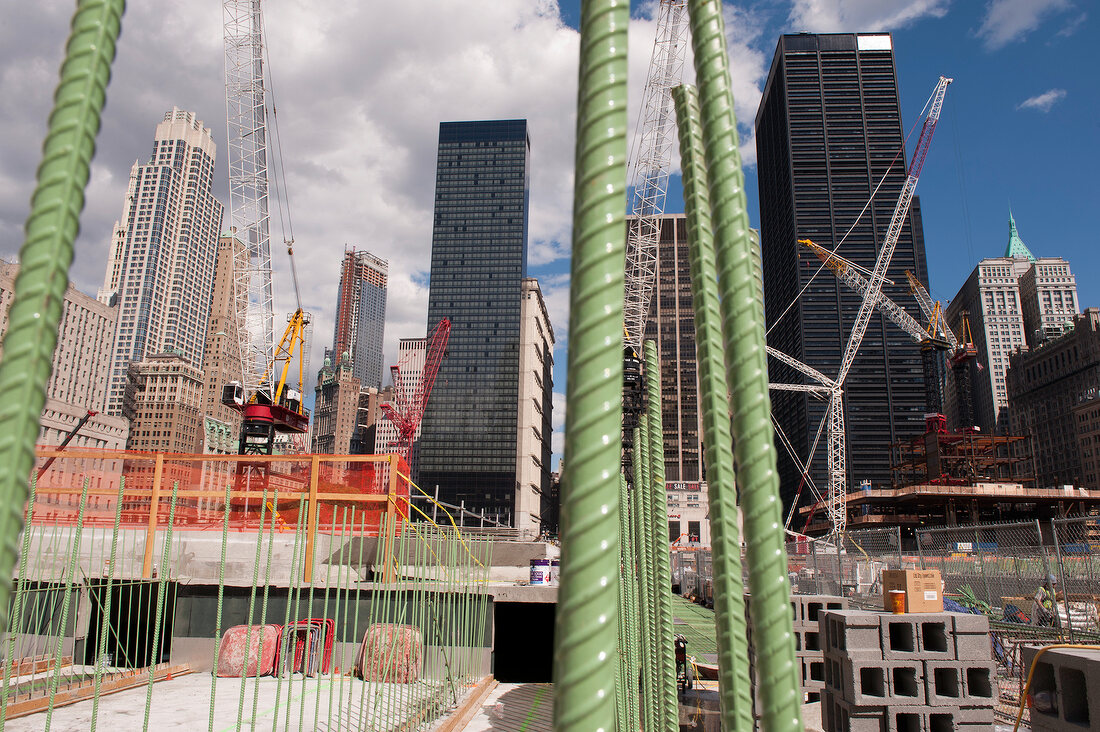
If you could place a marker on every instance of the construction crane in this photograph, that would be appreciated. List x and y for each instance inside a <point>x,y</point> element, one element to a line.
<point>651,164</point>
<point>836,497</point>
<point>263,395</point>
<point>410,399</point>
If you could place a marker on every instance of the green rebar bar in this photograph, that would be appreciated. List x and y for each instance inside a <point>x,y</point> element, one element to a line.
<point>585,640</point>
<point>45,257</point>
<point>221,599</point>
<point>101,648</point>
<point>162,584</point>
<point>263,603</point>
<point>747,374</point>
<point>630,580</point>
<point>19,602</point>
<point>735,690</point>
<point>662,575</point>
<point>66,602</point>
<point>651,720</point>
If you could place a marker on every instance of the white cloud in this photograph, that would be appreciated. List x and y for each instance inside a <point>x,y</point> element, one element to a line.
<point>558,439</point>
<point>1043,102</point>
<point>859,16</point>
<point>1006,21</point>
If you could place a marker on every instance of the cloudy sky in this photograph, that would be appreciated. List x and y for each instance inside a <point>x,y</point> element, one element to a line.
<point>361,89</point>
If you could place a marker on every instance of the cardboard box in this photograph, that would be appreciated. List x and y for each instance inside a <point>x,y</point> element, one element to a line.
<point>923,589</point>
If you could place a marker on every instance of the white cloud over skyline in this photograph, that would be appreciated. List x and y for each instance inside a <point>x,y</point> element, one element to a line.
<point>1043,102</point>
<point>858,16</point>
<point>1006,21</point>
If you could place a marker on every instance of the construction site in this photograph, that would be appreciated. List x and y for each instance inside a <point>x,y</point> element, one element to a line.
<point>278,588</point>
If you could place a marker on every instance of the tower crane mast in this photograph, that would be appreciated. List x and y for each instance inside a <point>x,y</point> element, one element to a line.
<point>651,157</point>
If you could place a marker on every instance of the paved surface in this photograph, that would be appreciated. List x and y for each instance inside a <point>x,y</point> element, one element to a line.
<point>515,708</point>
<point>342,703</point>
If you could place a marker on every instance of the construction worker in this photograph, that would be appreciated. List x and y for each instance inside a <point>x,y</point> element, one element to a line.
<point>1044,604</point>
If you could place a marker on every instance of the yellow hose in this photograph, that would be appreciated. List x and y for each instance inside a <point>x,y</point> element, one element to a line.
<point>1030,671</point>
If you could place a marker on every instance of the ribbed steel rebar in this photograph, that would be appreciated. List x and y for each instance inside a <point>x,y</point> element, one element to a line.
<point>47,253</point>
<point>747,375</point>
<point>662,574</point>
<point>647,611</point>
<point>586,638</point>
<point>729,601</point>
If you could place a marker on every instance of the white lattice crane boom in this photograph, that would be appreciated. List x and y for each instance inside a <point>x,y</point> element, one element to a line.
<point>246,123</point>
<point>651,159</point>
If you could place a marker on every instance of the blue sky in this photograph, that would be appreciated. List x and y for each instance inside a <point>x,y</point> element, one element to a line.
<point>993,149</point>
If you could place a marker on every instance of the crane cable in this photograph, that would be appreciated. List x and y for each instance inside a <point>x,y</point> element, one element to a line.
<point>855,223</point>
<point>283,201</point>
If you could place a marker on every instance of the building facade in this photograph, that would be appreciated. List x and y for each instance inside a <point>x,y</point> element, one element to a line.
<point>222,351</point>
<point>536,405</point>
<point>369,418</point>
<point>828,131</point>
<point>161,263</point>
<point>78,380</point>
<point>1087,417</point>
<point>361,314</point>
<point>411,354</point>
<point>163,401</point>
<point>479,261</point>
<point>1046,385</point>
<point>671,325</point>
<point>335,409</point>
<point>1007,303</point>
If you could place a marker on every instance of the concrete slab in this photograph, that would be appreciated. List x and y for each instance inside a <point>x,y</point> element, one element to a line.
<point>516,706</point>
<point>183,703</point>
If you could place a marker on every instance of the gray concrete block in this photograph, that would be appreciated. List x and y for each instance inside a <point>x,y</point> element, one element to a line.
<point>969,622</point>
<point>917,636</point>
<point>851,632</point>
<point>1072,676</point>
<point>973,647</point>
<point>944,682</point>
<point>907,682</point>
<point>848,717</point>
<point>976,714</point>
<point>921,719</point>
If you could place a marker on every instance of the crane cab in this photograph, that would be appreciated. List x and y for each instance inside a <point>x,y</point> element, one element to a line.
<point>233,395</point>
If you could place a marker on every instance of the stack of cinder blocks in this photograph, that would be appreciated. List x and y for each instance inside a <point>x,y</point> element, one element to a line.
<point>806,613</point>
<point>913,672</point>
<point>1066,687</point>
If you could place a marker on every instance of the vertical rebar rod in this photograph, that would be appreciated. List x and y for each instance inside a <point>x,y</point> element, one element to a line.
<point>19,603</point>
<point>47,253</point>
<point>585,640</point>
<point>218,611</point>
<point>662,576</point>
<point>729,602</point>
<point>645,565</point>
<point>263,605</point>
<point>747,374</point>
<point>66,602</point>
<point>101,647</point>
<point>158,619</point>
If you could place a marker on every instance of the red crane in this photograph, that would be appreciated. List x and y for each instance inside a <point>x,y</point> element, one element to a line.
<point>409,400</point>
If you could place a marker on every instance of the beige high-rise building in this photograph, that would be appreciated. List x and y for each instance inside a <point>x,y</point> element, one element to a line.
<point>222,352</point>
<point>336,408</point>
<point>160,268</point>
<point>534,424</point>
<point>163,401</point>
<point>411,354</point>
<point>78,382</point>
<point>1009,303</point>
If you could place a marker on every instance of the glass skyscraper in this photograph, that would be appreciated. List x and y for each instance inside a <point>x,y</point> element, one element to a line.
<point>827,131</point>
<point>479,261</point>
<point>361,315</point>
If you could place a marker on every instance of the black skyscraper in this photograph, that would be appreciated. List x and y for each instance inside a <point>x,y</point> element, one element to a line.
<point>828,128</point>
<point>479,260</point>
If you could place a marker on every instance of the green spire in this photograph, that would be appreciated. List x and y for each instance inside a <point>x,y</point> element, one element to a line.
<point>1016,248</point>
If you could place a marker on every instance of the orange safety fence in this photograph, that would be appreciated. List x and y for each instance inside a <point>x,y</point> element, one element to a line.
<point>322,485</point>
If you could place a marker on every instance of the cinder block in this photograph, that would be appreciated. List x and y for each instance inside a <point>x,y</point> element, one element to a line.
<point>980,682</point>
<point>921,719</point>
<point>854,633</point>
<point>853,718</point>
<point>944,682</point>
<point>1072,675</point>
<point>969,622</point>
<point>973,647</point>
<point>975,714</point>
<point>917,636</point>
<point>907,682</point>
<point>859,683</point>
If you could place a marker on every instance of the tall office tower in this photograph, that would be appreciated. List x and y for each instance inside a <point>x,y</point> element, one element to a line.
<point>1008,303</point>
<point>411,354</point>
<point>222,351</point>
<point>827,132</point>
<point>161,264</point>
<point>368,417</point>
<point>78,381</point>
<point>335,408</point>
<point>162,400</point>
<point>536,404</point>
<point>479,260</point>
<point>361,314</point>
<point>671,324</point>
